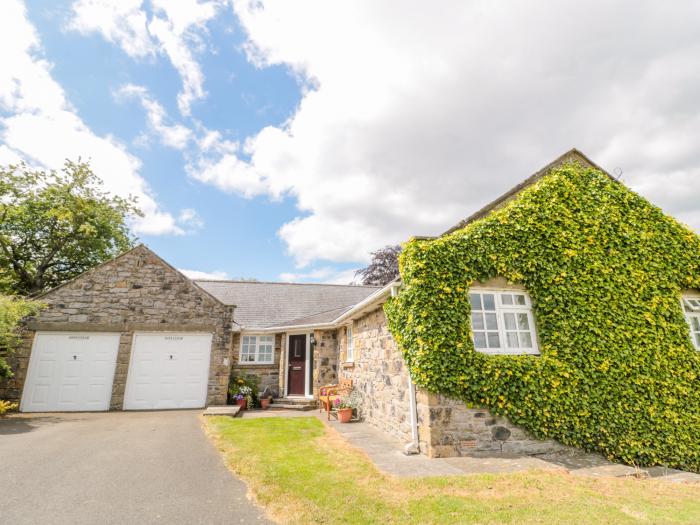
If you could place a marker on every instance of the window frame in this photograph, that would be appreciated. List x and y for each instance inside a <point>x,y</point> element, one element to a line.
<point>258,344</point>
<point>349,345</point>
<point>694,313</point>
<point>502,332</point>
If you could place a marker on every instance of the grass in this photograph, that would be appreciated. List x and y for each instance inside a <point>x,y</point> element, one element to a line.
<point>303,472</point>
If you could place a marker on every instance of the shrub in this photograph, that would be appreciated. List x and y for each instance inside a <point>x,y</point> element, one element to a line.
<point>7,406</point>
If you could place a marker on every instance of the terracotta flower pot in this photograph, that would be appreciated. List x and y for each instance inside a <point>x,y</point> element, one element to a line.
<point>344,415</point>
<point>243,403</point>
<point>264,403</point>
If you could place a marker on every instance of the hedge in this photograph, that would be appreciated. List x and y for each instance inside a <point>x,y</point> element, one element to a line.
<point>605,270</point>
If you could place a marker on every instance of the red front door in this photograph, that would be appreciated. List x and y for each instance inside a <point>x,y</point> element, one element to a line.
<point>296,377</point>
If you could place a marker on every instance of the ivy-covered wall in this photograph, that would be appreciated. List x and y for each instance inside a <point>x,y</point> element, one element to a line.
<point>605,270</point>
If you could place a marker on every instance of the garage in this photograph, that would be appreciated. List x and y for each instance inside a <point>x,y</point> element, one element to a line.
<point>70,371</point>
<point>167,371</point>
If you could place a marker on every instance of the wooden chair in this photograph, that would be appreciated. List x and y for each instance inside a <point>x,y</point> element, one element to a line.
<point>329,393</point>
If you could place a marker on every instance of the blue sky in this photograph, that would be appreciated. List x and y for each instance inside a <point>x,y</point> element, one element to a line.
<point>286,140</point>
<point>239,235</point>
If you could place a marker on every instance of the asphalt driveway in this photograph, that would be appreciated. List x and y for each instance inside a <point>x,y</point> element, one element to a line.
<point>117,467</point>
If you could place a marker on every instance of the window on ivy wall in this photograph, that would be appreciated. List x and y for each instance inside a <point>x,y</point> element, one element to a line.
<point>257,349</point>
<point>502,322</point>
<point>691,306</point>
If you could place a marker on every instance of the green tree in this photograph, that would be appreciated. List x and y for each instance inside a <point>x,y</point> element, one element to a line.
<point>56,225</point>
<point>12,310</point>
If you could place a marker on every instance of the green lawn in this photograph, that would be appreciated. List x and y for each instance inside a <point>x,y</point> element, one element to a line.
<point>302,472</point>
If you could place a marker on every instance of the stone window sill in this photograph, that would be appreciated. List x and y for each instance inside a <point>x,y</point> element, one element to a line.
<point>255,365</point>
<point>349,364</point>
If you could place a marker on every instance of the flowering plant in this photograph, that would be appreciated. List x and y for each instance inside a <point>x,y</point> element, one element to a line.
<point>350,400</point>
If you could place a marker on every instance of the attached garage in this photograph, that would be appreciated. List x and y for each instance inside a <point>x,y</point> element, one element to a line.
<point>130,334</point>
<point>168,370</point>
<point>70,371</point>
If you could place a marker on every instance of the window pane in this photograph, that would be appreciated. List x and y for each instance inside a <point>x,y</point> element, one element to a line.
<point>479,340</point>
<point>697,340</point>
<point>489,302</point>
<point>506,299</point>
<point>525,340</point>
<point>512,338</point>
<point>494,340</point>
<point>696,324</point>
<point>475,299</point>
<point>519,299</point>
<point>523,323</point>
<point>509,321</point>
<point>477,321</point>
<point>491,322</point>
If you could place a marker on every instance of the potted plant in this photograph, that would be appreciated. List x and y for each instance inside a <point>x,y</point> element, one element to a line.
<point>244,397</point>
<point>265,401</point>
<point>345,405</point>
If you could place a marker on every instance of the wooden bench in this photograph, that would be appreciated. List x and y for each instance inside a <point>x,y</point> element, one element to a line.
<point>329,393</point>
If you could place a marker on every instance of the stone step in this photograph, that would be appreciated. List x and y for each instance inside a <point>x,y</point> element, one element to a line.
<point>222,410</point>
<point>292,403</point>
<point>284,406</point>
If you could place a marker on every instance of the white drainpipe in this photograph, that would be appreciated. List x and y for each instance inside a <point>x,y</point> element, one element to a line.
<point>414,446</point>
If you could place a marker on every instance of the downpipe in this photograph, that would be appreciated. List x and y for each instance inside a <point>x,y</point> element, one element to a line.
<point>414,446</point>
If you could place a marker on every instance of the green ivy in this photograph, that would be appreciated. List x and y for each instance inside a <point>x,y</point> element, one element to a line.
<point>605,269</point>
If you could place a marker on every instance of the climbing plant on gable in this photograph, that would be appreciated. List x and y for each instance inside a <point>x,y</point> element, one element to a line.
<point>605,270</point>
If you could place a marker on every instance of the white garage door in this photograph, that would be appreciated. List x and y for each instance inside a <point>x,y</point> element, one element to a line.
<point>70,371</point>
<point>168,371</point>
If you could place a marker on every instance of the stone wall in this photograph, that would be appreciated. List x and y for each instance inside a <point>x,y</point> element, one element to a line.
<point>137,291</point>
<point>379,374</point>
<point>269,375</point>
<point>325,354</point>
<point>448,428</point>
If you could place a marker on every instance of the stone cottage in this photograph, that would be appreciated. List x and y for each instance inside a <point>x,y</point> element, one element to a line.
<point>134,333</point>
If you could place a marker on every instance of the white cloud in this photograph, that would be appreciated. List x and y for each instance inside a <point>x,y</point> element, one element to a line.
<point>198,274</point>
<point>173,28</point>
<point>190,219</point>
<point>409,123</point>
<point>122,23</point>
<point>39,125</point>
<point>172,135</point>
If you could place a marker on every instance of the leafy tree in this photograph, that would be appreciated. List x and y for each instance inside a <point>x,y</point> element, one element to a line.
<point>12,310</point>
<point>56,225</point>
<point>383,268</point>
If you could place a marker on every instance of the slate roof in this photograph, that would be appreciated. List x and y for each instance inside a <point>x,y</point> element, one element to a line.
<point>264,304</point>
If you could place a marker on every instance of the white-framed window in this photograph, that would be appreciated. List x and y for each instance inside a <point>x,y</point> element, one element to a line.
<point>691,308</point>
<point>502,322</point>
<point>258,349</point>
<point>350,354</point>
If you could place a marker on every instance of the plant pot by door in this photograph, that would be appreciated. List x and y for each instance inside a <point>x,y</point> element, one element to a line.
<point>264,403</point>
<point>344,415</point>
<point>243,403</point>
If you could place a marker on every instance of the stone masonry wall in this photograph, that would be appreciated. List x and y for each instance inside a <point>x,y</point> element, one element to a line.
<point>379,374</point>
<point>325,356</point>
<point>137,291</point>
<point>448,428</point>
<point>269,375</point>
